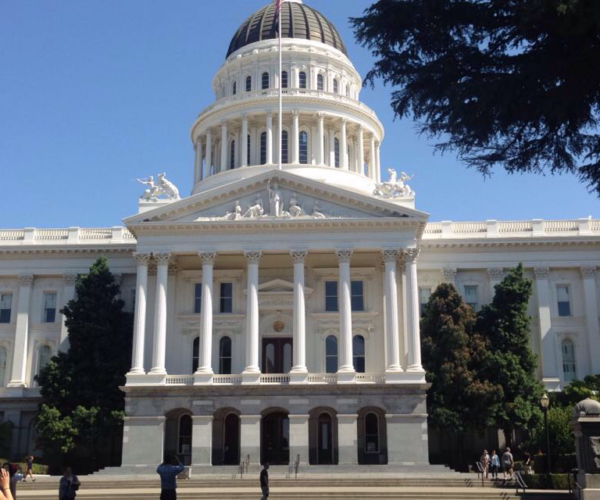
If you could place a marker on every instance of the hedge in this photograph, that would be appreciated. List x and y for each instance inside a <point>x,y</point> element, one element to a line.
<point>37,468</point>
<point>547,481</point>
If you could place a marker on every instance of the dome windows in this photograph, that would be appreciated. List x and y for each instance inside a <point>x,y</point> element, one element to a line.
<point>336,86</point>
<point>320,82</point>
<point>265,81</point>
<point>263,148</point>
<point>284,147</point>
<point>284,79</point>
<point>303,148</point>
<point>234,88</point>
<point>302,79</point>
<point>248,83</point>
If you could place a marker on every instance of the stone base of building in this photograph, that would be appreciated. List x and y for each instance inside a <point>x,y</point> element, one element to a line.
<point>320,425</point>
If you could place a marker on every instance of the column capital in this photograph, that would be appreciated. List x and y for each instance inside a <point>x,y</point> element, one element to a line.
<point>541,272</point>
<point>495,272</point>
<point>223,123</point>
<point>588,271</point>
<point>295,113</point>
<point>70,279</point>
<point>245,116</point>
<point>207,258</point>
<point>344,255</point>
<point>411,254</point>
<point>26,279</point>
<point>344,121</point>
<point>142,258</point>
<point>321,115</point>
<point>298,256</point>
<point>253,257</point>
<point>389,255</point>
<point>270,115</point>
<point>162,259</point>
<point>449,273</point>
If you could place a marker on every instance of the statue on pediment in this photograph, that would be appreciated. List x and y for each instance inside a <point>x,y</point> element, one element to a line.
<point>395,187</point>
<point>275,200</point>
<point>163,187</point>
<point>255,211</point>
<point>295,210</point>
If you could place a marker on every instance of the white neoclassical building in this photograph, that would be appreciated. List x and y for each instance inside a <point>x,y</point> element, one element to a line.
<point>277,309</point>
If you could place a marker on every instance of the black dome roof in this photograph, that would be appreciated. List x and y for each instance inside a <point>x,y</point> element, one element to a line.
<point>298,21</point>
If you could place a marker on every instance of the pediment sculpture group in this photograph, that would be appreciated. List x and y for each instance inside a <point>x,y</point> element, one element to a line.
<point>395,187</point>
<point>161,187</point>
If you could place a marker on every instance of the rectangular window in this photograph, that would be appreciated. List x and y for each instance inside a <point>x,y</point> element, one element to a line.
<point>471,297</point>
<point>358,301</point>
<point>424,294</point>
<point>5,307</point>
<point>564,300</point>
<point>331,296</point>
<point>226,297</point>
<point>49,307</point>
<point>197,298</point>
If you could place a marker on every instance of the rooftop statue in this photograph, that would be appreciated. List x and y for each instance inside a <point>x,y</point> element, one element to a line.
<point>163,187</point>
<point>395,187</point>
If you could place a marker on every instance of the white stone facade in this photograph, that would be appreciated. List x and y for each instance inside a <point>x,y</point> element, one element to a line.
<point>277,309</point>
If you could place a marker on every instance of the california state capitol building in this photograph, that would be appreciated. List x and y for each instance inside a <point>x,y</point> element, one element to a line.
<point>277,309</point>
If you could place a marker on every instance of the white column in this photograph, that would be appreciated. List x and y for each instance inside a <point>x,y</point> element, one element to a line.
<point>591,315</point>
<point>378,162</point>
<point>208,159</point>
<point>244,151</point>
<point>19,361</point>
<point>391,316</point>
<point>299,372</point>
<point>251,373</point>
<point>160,315</point>
<point>139,324</point>
<point>69,282</point>
<point>550,377</point>
<point>223,147</point>
<point>414,316</point>
<point>196,162</point>
<point>343,144</point>
<point>361,150</point>
<point>496,275</point>
<point>373,160</point>
<point>346,372</point>
<point>321,139</point>
<point>269,138</point>
<point>295,136</point>
<point>204,373</point>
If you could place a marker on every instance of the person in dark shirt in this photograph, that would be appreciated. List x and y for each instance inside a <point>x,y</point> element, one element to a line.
<point>168,472</point>
<point>264,482</point>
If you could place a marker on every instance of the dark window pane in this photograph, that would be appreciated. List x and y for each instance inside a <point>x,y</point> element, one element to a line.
<point>248,152</point>
<point>225,347</point>
<point>226,297</point>
<point>232,156</point>
<point>303,148</point>
<point>564,309</point>
<point>234,88</point>
<point>4,315</point>
<point>331,296</point>
<point>320,82</point>
<point>50,315</point>
<point>336,147</point>
<point>302,78</point>
<point>263,148</point>
<point>198,298</point>
<point>248,84</point>
<point>371,426</point>
<point>195,353</point>
<point>284,79</point>
<point>265,81</point>
<point>358,302</point>
<point>284,147</point>
<point>331,346</point>
<point>331,364</point>
<point>225,368</point>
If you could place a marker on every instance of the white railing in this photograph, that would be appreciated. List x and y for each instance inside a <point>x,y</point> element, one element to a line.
<point>227,379</point>
<point>322,378</point>
<point>69,236</point>
<point>180,380</point>
<point>433,228</point>
<point>468,227</point>
<point>95,234</point>
<point>275,378</point>
<point>370,378</point>
<point>11,234</point>
<point>52,234</point>
<point>561,226</point>
<point>515,227</point>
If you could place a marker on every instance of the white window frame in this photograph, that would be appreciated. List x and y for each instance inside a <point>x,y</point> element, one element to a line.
<point>56,312</point>
<point>569,287</point>
<point>38,347</point>
<point>477,289</point>
<point>4,381</point>
<point>12,301</point>
<point>568,338</point>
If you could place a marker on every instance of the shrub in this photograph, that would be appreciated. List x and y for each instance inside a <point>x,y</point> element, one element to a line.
<point>547,481</point>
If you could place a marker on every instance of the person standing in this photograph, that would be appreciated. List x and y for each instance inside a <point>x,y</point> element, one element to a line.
<point>264,482</point>
<point>68,486</point>
<point>494,464</point>
<point>5,493</point>
<point>485,463</point>
<point>508,463</point>
<point>29,470</point>
<point>168,472</point>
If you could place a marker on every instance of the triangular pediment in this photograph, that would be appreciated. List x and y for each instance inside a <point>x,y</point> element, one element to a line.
<point>275,195</point>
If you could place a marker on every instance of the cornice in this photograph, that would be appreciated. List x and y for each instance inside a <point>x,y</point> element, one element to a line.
<point>126,248</point>
<point>474,245</point>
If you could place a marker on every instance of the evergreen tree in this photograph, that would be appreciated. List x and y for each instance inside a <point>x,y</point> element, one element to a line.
<point>510,362</point>
<point>82,402</point>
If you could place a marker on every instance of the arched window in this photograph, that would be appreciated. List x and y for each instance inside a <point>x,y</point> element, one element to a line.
<point>371,433</point>
<point>336,86</point>
<point>195,354</point>
<point>263,148</point>
<point>331,354</point>
<point>225,356</point>
<point>234,89</point>
<point>184,438</point>
<point>3,358</point>
<point>284,147</point>
<point>284,79</point>
<point>248,152</point>
<point>265,81</point>
<point>44,356</point>
<point>358,350</point>
<point>320,82</point>
<point>336,149</point>
<point>568,359</point>
<point>302,79</point>
<point>232,156</point>
<point>248,83</point>
<point>303,148</point>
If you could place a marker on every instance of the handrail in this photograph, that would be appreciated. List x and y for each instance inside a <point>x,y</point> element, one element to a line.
<point>521,484</point>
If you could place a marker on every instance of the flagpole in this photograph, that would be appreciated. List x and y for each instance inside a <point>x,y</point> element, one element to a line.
<point>280,131</point>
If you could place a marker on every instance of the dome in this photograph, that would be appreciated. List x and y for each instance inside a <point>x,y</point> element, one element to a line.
<point>298,21</point>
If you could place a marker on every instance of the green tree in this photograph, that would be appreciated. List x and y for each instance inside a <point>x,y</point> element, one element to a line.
<point>559,430</point>
<point>510,362</point>
<point>82,404</point>
<point>503,82</point>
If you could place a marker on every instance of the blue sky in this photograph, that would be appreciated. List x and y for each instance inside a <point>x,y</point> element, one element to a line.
<point>96,93</point>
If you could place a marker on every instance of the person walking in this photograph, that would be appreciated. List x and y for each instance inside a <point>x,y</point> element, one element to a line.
<point>168,472</point>
<point>68,486</point>
<point>29,471</point>
<point>508,463</point>
<point>494,464</point>
<point>5,493</point>
<point>264,482</point>
<point>485,463</point>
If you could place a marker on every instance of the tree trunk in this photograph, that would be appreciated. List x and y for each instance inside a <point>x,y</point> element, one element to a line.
<point>508,437</point>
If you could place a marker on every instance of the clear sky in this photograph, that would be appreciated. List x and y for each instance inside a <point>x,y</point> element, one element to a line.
<point>96,93</point>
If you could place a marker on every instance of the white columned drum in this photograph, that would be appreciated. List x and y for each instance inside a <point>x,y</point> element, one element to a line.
<point>251,373</point>
<point>223,147</point>
<point>269,138</point>
<point>19,363</point>
<point>139,326</point>
<point>160,314</point>
<point>361,150</point>
<point>208,161</point>
<point>204,373</point>
<point>391,315</point>
<point>299,372</point>
<point>296,137</point>
<point>414,334</point>
<point>244,142</point>
<point>346,372</point>
<point>343,144</point>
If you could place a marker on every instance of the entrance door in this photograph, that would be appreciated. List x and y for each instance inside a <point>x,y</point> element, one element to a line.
<point>325,437</point>
<point>231,440</point>
<point>275,442</point>
<point>276,355</point>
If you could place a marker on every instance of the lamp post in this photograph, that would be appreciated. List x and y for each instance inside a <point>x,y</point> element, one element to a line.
<point>545,403</point>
